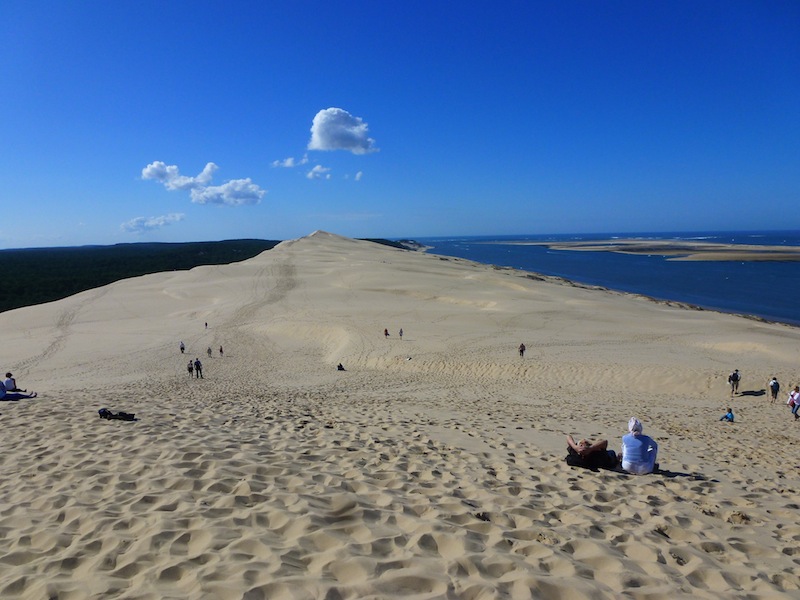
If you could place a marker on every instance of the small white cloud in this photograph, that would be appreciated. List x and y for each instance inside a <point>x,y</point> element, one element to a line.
<point>319,172</point>
<point>145,224</point>
<point>359,175</point>
<point>233,193</point>
<point>337,129</point>
<point>288,163</point>
<point>173,180</point>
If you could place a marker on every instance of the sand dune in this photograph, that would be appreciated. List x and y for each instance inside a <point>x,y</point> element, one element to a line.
<point>431,468</point>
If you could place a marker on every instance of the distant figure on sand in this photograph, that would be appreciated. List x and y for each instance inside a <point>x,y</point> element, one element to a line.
<point>198,369</point>
<point>728,416</point>
<point>774,388</point>
<point>220,350</point>
<point>183,348</point>
<point>10,384</point>
<point>734,379</point>
<point>386,333</point>
<point>639,451</point>
<point>340,367</point>
<point>6,395</point>
<point>401,333</point>
<point>190,368</point>
<point>206,324</point>
<point>521,350</point>
<point>209,352</point>
<point>591,455</point>
<point>794,401</point>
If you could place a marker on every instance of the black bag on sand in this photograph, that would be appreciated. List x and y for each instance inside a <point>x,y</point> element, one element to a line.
<point>121,416</point>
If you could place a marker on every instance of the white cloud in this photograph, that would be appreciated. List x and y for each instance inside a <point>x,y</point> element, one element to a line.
<point>144,224</point>
<point>337,129</point>
<point>233,193</point>
<point>359,175</point>
<point>173,180</point>
<point>290,162</point>
<point>319,172</point>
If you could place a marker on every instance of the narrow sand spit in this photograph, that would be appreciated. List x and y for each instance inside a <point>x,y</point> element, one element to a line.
<point>431,468</point>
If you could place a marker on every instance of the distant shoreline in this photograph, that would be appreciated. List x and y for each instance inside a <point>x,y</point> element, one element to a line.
<point>677,249</point>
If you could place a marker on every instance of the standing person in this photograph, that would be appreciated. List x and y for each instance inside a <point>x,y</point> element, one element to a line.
<point>734,379</point>
<point>521,350</point>
<point>794,401</point>
<point>639,451</point>
<point>190,368</point>
<point>401,333</point>
<point>206,324</point>
<point>220,351</point>
<point>183,348</point>
<point>386,333</point>
<point>774,388</point>
<point>209,352</point>
<point>198,369</point>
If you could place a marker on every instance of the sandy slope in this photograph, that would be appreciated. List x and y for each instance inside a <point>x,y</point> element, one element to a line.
<point>432,468</point>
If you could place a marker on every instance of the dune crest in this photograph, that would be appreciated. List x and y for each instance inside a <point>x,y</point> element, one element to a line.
<point>432,467</point>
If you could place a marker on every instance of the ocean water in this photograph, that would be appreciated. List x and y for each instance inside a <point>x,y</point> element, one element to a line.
<point>770,290</point>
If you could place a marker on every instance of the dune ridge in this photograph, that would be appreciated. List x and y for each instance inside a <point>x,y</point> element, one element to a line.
<point>431,468</point>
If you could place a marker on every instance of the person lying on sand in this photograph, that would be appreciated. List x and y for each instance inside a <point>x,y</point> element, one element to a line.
<point>590,455</point>
<point>6,395</point>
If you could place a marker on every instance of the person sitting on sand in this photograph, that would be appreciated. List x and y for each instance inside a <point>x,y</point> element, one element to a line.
<point>10,384</point>
<point>728,416</point>
<point>6,395</point>
<point>591,455</point>
<point>639,451</point>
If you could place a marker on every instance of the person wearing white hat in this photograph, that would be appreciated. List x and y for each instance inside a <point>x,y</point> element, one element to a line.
<point>639,451</point>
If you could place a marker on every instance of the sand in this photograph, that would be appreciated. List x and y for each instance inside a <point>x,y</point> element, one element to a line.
<point>680,249</point>
<point>433,467</point>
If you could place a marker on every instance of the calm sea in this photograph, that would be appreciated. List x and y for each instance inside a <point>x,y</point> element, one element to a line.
<point>765,289</point>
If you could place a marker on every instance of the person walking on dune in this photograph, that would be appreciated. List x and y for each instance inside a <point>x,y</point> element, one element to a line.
<point>198,369</point>
<point>774,388</point>
<point>521,350</point>
<point>190,368</point>
<point>734,379</point>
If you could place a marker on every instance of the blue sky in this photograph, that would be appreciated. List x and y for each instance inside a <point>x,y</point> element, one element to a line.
<point>189,121</point>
